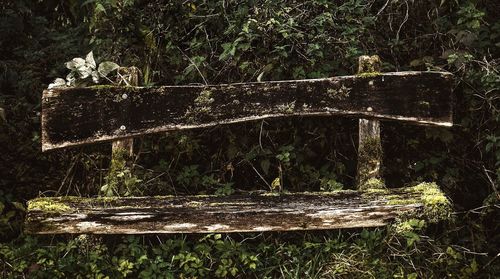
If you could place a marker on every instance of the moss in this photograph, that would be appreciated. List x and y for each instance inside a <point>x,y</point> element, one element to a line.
<point>372,183</point>
<point>101,87</point>
<point>370,191</point>
<point>120,179</point>
<point>48,205</point>
<point>369,64</point>
<point>369,154</point>
<point>436,206</point>
<point>397,201</point>
<point>369,75</point>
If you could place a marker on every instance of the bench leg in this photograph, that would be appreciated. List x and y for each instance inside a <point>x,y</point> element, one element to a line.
<point>369,148</point>
<point>122,155</point>
<point>369,155</point>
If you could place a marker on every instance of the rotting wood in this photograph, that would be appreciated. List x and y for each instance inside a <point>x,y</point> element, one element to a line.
<point>76,116</point>
<point>249,213</point>
<point>369,145</point>
<point>122,150</point>
<point>128,76</point>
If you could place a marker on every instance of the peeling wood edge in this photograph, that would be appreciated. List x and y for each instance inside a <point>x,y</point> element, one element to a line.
<point>333,112</point>
<point>446,75</point>
<point>307,210</point>
<point>219,228</point>
<point>46,146</point>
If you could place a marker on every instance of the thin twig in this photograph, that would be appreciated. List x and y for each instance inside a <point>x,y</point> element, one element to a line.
<point>194,64</point>
<point>404,21</point>
<point>258,173</point>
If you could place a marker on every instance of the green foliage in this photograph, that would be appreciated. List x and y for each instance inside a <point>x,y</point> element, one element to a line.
<point>362,254</point>
<point>189,42</point>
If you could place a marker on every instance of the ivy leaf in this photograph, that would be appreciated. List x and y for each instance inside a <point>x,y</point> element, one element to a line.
<point>59,82</point>
<point>84,71</point>
<point>107,67</point>
<point>71,78</point>
<point>95,76</point>
<point>90,60</point>
<point>75,63</point>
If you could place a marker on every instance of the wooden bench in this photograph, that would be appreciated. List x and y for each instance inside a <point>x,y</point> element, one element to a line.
<point>78,116</point>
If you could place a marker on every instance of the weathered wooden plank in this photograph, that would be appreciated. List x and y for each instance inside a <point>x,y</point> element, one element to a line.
<point>249,213</point>
<point>75,116</point>
<point>369,145</point>
<point>122,151</point>
<point>129,77</point>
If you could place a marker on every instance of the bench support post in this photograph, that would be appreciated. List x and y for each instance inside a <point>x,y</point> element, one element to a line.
<point>122,154</point>
<point>369,147</point>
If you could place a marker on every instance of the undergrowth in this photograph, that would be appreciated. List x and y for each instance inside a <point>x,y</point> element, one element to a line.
<point>199,42</point>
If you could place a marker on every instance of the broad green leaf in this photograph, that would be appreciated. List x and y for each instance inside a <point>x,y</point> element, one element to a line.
<point>107,67</point>
<point>90,60</point>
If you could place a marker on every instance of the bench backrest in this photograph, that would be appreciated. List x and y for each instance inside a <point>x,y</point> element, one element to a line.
<point>76,116</point>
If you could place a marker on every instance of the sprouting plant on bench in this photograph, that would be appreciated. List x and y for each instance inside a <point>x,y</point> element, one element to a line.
<point>120,180</point>
<point>84,72</point>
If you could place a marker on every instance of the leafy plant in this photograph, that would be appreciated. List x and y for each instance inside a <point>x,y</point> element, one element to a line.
<point>84,70</point>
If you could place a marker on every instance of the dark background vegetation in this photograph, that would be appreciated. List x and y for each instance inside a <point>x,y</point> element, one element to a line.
<point>184,42</point>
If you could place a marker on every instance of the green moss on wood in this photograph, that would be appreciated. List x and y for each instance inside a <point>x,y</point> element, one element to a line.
<point>369,155</point>
<point>369,75</point>
<point>372,183</point>
<point>48,205</point>
<point>120,180</point>
<point>369,64</point>
<point>436,206</point>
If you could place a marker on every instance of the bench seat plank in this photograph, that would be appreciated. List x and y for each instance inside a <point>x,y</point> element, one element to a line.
<point>241,213</point>
<point>75,116</point>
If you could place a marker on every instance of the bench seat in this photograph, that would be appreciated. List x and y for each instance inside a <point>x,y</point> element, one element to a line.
<point>235,213</point>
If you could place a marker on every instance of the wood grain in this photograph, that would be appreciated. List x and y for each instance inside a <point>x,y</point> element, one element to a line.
<point>76,116</point>
<point>204,214</point>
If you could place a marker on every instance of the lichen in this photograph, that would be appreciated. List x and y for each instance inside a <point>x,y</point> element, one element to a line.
<point>287,108</point>
<point>340,93</point>
<point>424,105</point>
<point>201,106</point>
<point>204,99</point>
<point>48,205</point>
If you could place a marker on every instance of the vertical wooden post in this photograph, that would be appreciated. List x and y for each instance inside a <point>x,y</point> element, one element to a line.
<point>129,77</point>
<point>122,154</point>
<point>369,148</point>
